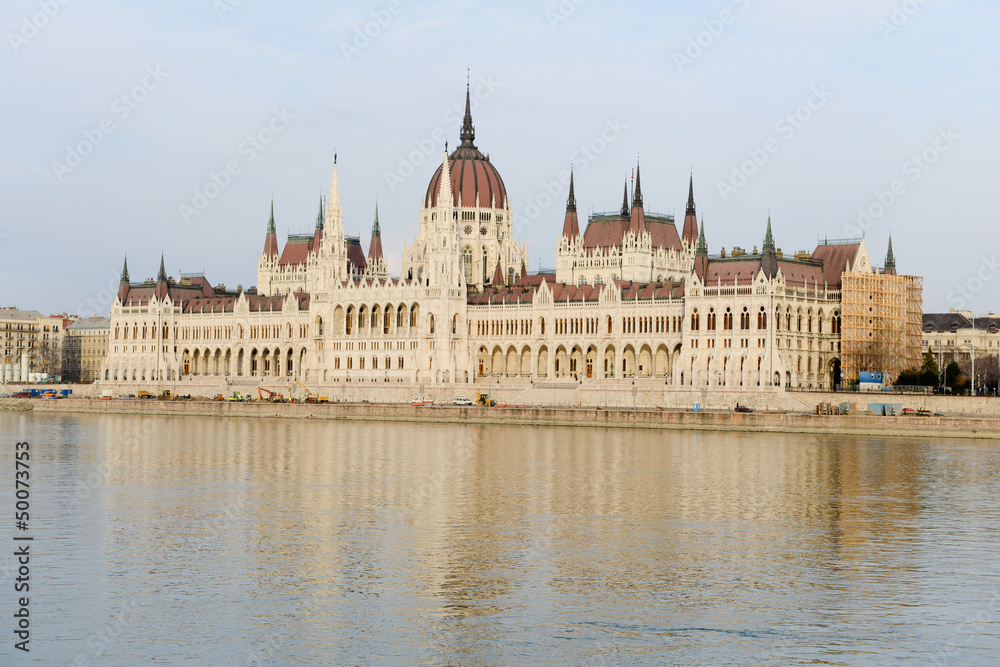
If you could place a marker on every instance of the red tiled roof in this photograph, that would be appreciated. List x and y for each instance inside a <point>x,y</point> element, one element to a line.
<point>471,175</point>
<point>835,259</point>
<point>296,251</point>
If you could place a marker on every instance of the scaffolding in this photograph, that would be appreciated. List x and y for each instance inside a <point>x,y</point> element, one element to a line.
<point>881,330</point>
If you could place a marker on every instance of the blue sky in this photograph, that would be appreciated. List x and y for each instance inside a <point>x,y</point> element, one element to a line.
<point>873,83</point>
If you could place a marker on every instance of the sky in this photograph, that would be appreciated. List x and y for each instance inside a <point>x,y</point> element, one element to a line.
<point>140,128</point>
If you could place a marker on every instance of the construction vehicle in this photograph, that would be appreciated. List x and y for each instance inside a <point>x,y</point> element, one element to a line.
<point>167,396</point>
<point>484,400</point>
<point>311,396</point>
<point>237,397</point>
<point>273,396</point>
<point>145,394</point>
<point>219,397</point>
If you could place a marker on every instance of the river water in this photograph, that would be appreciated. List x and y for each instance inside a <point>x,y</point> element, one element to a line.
<point>189,540</point>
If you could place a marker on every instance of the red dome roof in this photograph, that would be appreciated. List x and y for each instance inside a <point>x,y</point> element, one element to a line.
<point>472,174</point>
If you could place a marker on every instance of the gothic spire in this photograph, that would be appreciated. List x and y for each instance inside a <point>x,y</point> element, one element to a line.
<point>375,248</point>
<point>319,216</point>
<point>890,259</point>
<point>637,197</point>
<point>376,231</point>
<point>468,130</point>
<point>571,223</point>
<point>162,275</point>
<point>270,223</point>
<point>690,232</point>
<point>768,238</point>
<point>702,244</point>
<point>625,208</point>
<point>124,279</point>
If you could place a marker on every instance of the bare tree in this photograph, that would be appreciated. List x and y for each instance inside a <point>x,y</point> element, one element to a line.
<point>48,357</point>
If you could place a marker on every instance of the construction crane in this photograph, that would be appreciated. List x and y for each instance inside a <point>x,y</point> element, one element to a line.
<point>311,397</point>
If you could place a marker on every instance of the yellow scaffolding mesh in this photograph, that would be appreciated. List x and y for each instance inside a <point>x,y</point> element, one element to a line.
<point>881,329</point>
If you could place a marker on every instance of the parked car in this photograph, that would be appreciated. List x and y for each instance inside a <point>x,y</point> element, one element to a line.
<point>743,408</point>
<point>21,394</point>
<point>462,400</point>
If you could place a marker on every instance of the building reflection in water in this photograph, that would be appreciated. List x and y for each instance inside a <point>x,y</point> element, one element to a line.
<point>452,544</point>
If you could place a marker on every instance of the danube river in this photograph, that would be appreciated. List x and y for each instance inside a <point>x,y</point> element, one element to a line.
<point>213,541</point>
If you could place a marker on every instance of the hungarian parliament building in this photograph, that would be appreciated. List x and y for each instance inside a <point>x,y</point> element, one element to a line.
<point>633,297</point>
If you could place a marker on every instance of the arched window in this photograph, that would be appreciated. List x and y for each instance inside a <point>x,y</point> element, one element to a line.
<point>609,324</point>
<point>541,324</point>
<point>319,327</point>
<point>695,321</point>
<point>711,320</point>
<point>431,322</point>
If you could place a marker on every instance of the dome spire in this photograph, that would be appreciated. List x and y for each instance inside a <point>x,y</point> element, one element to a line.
<point>468,135</point>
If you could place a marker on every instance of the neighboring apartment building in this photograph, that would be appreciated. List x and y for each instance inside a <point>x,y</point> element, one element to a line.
<point>29,343</point>
<point>84,348</point>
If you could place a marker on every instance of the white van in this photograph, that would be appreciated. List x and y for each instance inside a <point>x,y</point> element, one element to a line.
<point>106,395</point>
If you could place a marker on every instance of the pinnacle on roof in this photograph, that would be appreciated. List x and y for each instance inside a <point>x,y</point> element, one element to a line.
<point>702,244</point>
<point>571,224</point>
<point>690,232</point>
<point>625,209</point>
<point>637,197</point>
<point>498,275</point>
<point>125,271</point>
<point>376,231</point>
<point>319,216</point>
<point>468,135</point>
<point>162,275</point>
<point>270,223</point>
<point>890,259</point>
<point>768,238</point>
<point>571,202</point>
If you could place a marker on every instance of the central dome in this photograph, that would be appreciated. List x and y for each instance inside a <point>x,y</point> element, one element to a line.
<point>473,176</point>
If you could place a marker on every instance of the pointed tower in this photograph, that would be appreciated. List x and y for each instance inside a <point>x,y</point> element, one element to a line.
<point>123,284</point>
<point>468,135</point>
<point>689,237</point>
<point>334,213</point>
<point>637,220</point>
<point>318,234</point>
<point>162,289</point>
<point>890,260</point>
<point>498,275</point>
<point>271,238</point>
<point>625,210</point>
<point>376,262</point>
<point>571,223</point>
<point>768,253</point>
<point>701,255</point>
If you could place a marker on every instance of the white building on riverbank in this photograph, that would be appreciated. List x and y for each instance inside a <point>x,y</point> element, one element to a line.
<point>632,300</point>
